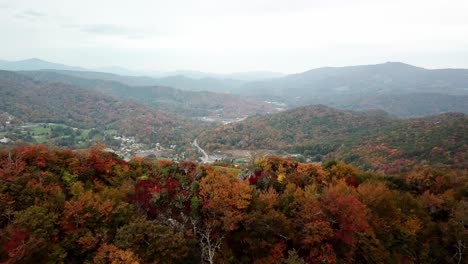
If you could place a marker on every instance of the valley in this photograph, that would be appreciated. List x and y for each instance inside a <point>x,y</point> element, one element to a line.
<point>60,135</point>
<point>163,122</point>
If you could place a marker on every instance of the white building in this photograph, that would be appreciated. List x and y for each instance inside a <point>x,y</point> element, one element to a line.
<point>5,140</point>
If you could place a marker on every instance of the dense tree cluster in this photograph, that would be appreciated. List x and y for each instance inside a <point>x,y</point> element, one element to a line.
<point>62,206</point>
<point>373,140</point>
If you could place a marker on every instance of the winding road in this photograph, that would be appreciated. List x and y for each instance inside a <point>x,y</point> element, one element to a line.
<point>205,158</point>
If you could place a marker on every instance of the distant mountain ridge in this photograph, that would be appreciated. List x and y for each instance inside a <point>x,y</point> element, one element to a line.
<point>217,106</point>
<point>390,77</point>
<point>370,86</point>
<point>398,88</point>
<point>35,64</point>
<point>105,76</point>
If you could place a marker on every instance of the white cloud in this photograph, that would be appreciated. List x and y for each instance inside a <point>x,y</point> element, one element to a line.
<point>215,35</point>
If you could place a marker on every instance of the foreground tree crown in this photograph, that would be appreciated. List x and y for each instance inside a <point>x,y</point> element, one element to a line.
<point>90,206</point>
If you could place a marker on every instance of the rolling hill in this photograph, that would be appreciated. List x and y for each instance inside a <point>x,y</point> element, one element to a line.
<point>202,84</point>
<point>178,81</point>
<point>400,89</point>
<point>29,100</point>
<point>406,105</point>
<point>390,77</point>
<point>370,86</point>
<point>217,106</point>
<point>371,139</point>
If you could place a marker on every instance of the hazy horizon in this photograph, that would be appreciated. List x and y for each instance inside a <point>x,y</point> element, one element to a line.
<point>116,69</point>
<point>241,36</point>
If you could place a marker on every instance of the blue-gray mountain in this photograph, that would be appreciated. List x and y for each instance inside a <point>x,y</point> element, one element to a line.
<point>400,89</point>
<point>397,88</point>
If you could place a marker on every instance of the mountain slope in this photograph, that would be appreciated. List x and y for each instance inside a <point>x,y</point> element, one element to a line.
<point>254,75</point>
<point>400,89</point>
<point>202,84</point>
<point>177,81</point>
<point>390,77</point>
<point>34,65</point>
<point>406,105</point>
<point>356,84</point>
<point>37,101</point>
<point>298,126</point>
<point>371,139</point>
<point>91,75</point>
<point>188,103</point>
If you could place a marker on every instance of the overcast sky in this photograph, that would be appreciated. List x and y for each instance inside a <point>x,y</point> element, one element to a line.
<point>237,35</point>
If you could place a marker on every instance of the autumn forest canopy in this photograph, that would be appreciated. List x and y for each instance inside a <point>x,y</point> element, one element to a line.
<point>64,206</point>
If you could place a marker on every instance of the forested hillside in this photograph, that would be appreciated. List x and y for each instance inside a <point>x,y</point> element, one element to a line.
<point>59,206</point>
<point>36,101</point>
<point>406,105</point>
<point>189,103</point>
<point>370,139</point>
